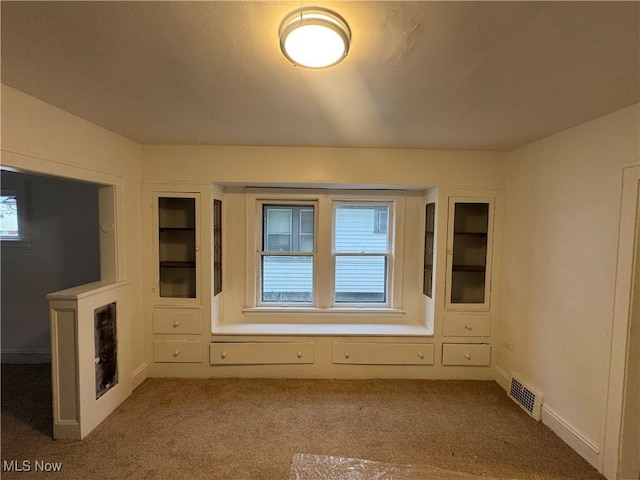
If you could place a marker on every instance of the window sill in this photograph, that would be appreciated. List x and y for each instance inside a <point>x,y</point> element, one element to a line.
<point>321,329</point>
<point>322,312</point>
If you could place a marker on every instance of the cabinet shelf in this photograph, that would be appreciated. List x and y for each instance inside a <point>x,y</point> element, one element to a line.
<point>177,264</point>
<point>469,248</point>
<point>177,252</point>
<point>468,268</point>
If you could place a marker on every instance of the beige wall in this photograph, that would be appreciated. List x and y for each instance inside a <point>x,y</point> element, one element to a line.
<point>38,137</point>
<point>561,239</point>
<point>322,166</point>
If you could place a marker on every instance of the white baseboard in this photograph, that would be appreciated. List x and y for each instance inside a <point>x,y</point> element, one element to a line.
<point>502,378</point>
<point>139,375</point>
<point>573,437</point>
<point>10,355</point>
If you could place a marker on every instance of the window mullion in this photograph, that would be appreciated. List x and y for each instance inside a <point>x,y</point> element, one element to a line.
<point>323,248</point>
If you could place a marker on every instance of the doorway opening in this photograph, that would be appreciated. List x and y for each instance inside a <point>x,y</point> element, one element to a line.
<point>59,233</point>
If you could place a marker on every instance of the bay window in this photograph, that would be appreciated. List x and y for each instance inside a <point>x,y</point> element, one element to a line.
<point>322,251</point>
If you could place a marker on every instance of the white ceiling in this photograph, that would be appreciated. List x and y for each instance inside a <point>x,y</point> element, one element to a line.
<point>453,75</point>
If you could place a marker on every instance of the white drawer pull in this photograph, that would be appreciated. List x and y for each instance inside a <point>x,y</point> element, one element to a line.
<point>467,356</point>
<point>223,355</point>
<point>176,353</point>
<point>421,355</point>
<point>468,327</point>
<point>346,354</point>
<point>299,355</point>
<point>176,324</point>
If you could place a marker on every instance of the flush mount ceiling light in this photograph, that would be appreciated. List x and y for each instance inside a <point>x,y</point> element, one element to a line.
<point>314,37</point>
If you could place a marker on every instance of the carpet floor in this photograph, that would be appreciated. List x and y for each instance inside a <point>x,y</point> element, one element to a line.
<point>246,429</point>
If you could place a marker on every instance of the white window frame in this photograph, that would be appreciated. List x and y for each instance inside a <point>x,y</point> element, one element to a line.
<point>260,204</point>
<point>323,265</point>
<point>388,255</point>
<point>18,190</point>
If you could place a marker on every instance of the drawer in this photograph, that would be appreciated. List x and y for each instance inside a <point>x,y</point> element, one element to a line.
<point>383,353</point>
<point>260,353</point>
<point>476,354</point>
<point>177,321</point>
<point>467,326</point>
<point>177,351</point>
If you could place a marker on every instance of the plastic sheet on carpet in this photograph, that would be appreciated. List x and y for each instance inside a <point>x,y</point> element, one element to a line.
<point>321,467</point>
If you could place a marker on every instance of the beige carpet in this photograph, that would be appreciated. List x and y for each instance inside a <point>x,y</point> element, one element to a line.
<point>236,429</point>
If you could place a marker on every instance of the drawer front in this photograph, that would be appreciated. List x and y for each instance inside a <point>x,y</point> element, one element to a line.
<point>467,326</point>
<point>177,321</point>
<point>475,354</point>
<point>177,352</point>
<point>259,353</point>
<point>383,353</point>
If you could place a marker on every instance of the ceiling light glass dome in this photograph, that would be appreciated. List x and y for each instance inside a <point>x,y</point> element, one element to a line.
<point>314,37</point>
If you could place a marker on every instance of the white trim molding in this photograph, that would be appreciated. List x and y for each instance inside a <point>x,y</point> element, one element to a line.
<point>569,434</point>
<point>572,436</point>
<point>139,375</point>
<point>620,321</point>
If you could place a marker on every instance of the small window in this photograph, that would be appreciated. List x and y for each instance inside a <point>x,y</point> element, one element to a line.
<point>9,223</point>
<point>13,215</point>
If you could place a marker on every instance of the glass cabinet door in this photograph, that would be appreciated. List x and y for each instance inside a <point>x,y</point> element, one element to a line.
<point>177,247</point>
<point>469,254</point>
<point>429,239</point>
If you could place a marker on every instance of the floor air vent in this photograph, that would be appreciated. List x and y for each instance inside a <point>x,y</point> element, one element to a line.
<point>528,398</point>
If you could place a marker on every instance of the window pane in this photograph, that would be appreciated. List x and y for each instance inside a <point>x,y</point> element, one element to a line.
<point>287,279</point>
<point>9,216</point>
<point>277,228</point>
<point>361,279</point>
<point>383,221</point>
<point>288,228</point>
<point>306,230</point>
<point>306,243</point>
<point>306,221</point>
<point>278,220</point>
<point>359,229</point>
<point>278,243</point>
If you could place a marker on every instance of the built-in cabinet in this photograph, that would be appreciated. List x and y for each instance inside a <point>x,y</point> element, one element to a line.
<point>467,319</point>
<point>179,251</point>
<point>460,285</point>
